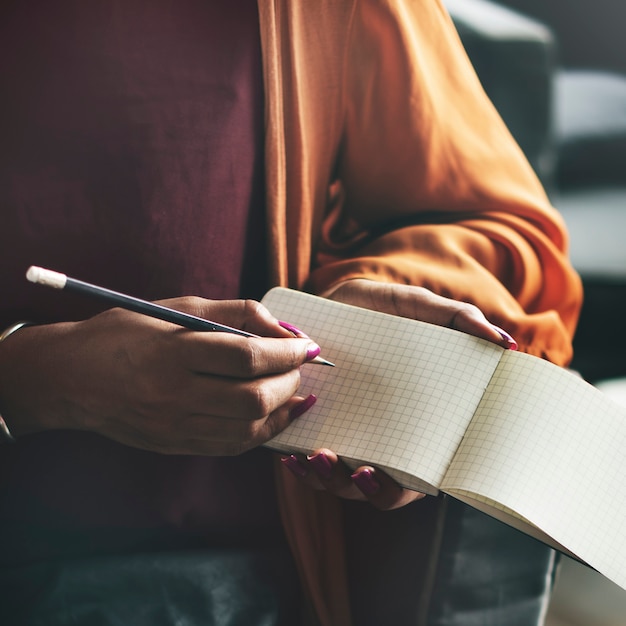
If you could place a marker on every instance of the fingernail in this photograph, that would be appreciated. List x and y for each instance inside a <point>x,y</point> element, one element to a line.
<point>293,464</point>
<point>302,407</point>
<point>312,352</point>
<point>322,465</point>
<point>511,343</point>
<point>293,329</point>
<point>366,481</point>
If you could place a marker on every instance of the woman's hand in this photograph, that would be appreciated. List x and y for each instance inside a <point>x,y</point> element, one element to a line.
<point>322,469</point>
<point>421,304</point>
<point>153,385</point>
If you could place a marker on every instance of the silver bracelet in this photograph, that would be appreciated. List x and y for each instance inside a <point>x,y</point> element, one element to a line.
<point>5,433</point>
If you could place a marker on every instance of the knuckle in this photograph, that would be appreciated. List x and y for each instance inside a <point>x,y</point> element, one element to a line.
<point>272,428</point>
<point>467,310</point>
<point>421,292</point>
<point>463,311</point>
<point>470,309</point>
<point>252,309</point>
<point>249,359</point>
<point>247,440</point>
<point>190,304</point>
<point>258,402</point>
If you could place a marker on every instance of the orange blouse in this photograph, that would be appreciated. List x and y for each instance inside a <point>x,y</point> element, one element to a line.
<point>386,160</point>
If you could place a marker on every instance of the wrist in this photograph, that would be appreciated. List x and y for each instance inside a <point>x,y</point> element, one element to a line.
<point>5,432</point>
<point>28,369</point>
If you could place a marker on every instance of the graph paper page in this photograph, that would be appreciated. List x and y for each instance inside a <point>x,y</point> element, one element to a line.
<point>552,449</point>
<point>402,392</point>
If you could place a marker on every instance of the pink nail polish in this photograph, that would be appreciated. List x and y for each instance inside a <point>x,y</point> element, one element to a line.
<point>293,464</point>
<point>312,352</point>
<point>366,481</point>
<point>293,329</point>
<point>302,407</point>
<point>322,465</point>
<point>511,343</point>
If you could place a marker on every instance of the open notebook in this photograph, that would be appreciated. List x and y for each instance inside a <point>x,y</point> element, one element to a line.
<point>508,433</point>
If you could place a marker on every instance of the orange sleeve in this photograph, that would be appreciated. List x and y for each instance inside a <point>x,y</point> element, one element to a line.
<point>432,189</point>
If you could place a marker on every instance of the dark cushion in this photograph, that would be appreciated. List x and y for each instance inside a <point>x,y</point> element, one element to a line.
<point>590,127</point>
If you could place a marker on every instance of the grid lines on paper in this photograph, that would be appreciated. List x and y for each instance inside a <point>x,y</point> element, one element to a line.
<point>402,393</point>
<point>550,447</point>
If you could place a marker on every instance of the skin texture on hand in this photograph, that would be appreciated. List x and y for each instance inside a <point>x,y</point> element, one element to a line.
<point>323,469</point>
<point>153,385</point>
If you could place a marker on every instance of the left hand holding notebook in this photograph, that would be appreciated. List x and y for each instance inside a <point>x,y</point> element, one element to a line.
<point>323,469</point>
<point>418,303</point>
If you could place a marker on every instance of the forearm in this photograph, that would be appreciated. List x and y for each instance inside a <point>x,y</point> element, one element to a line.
<point>520,280</point>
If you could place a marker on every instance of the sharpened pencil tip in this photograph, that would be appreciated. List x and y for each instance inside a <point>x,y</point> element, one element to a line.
<point>320,361</point>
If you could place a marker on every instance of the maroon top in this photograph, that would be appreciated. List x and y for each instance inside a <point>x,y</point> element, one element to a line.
<point>131,156</point>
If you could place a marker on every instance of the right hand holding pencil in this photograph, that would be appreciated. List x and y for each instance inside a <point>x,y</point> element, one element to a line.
<point>154,385</point>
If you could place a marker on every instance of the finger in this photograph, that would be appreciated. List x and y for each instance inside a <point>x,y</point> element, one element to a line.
<point>260,432</point>
<point>297,465</point>
<point>422,304</point>
<point>381,490</point>
<point>322,470</point>
<point>469,319</point>
<point>333,474</point>
<point>238,399</point>
<point>224,354</point>
<point>248,315</point>
<point>175,393</point>
<point>217,436</point>
<point>404,300</point>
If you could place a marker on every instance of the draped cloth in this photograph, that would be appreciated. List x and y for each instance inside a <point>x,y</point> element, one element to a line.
<point>385,160</point>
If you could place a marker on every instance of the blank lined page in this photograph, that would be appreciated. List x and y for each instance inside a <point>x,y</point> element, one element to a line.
<point>402,392</point>
<point>552,448</point>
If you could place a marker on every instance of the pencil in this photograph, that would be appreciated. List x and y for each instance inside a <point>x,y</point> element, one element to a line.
<point>57,280</point>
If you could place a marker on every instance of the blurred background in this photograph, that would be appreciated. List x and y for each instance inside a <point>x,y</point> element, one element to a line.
<point>590,32</point>
<point>556,71</point>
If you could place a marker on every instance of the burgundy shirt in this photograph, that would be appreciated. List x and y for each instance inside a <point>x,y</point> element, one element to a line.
<point>131,156</point>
